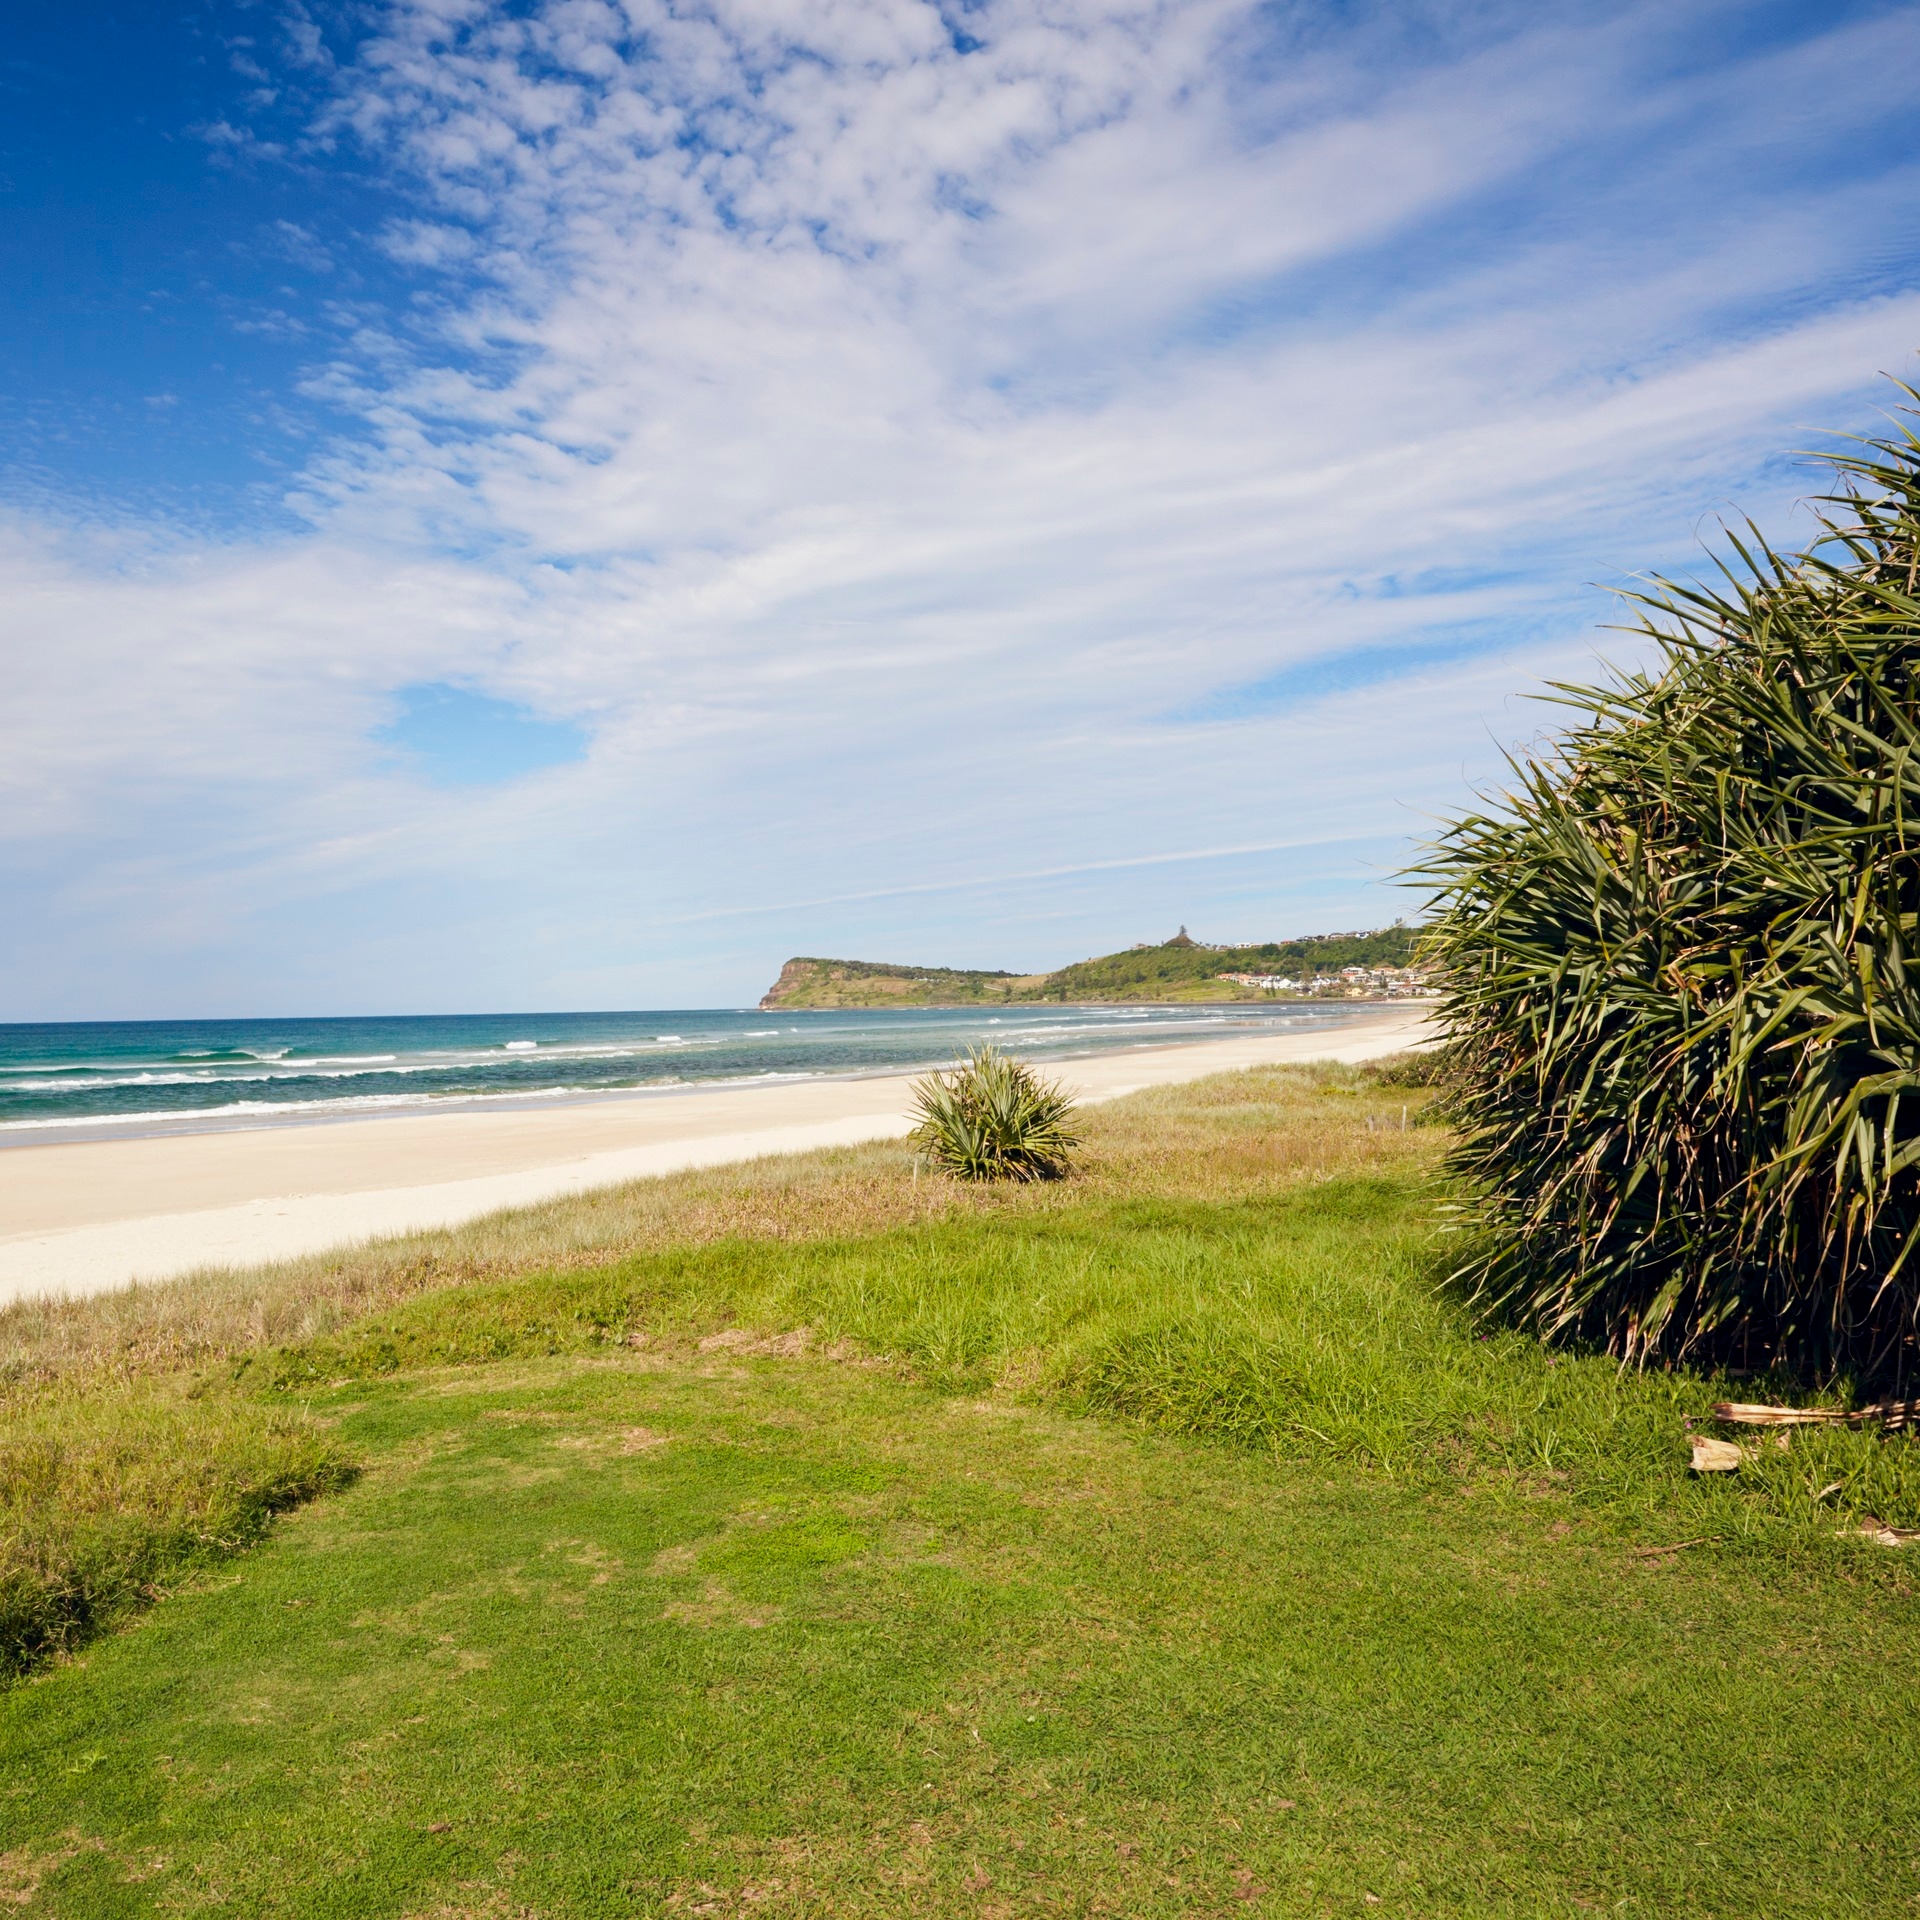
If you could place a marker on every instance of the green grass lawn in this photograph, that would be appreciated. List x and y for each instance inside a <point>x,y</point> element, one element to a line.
<point>605,1635</point>
<point>1161,1545</point>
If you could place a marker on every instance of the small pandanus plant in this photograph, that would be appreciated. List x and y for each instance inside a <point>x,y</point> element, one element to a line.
<point>993,1118</point>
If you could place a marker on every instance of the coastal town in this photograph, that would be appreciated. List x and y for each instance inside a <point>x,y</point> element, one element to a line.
<point>1350,983</point>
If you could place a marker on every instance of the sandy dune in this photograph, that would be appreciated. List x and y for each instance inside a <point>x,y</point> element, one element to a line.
<point>86,1217</point>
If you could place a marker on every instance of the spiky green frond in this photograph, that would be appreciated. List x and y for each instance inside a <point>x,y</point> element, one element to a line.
<point>1682,966</point>
<point>993,1118</point>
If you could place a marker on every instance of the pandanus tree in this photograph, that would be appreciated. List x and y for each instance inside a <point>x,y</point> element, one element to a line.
<point>993,1118</point>
<point>1681,966</point>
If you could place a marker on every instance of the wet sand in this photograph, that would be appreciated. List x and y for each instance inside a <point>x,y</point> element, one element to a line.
<point>84,1217</point>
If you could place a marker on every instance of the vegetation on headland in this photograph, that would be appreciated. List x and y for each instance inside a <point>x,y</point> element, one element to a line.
<point>801,1538</point>
<point>810,983</point>
<point>1680,962</point>
<point>1177,969</point>
<point>1185,969</point>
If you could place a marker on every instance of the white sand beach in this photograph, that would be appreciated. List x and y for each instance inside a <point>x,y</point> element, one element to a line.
<point>85,1217</point>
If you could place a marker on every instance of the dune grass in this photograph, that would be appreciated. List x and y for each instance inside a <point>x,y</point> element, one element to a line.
<point>704,1526</point>
<point>1239,1135</point>
<point>1250,1260</point>
<point>105,1498</point>
<point>90,1527</point>
<point>1310,1324</point>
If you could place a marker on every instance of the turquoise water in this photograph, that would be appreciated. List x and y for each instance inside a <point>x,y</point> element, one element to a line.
<point>102,1079</point>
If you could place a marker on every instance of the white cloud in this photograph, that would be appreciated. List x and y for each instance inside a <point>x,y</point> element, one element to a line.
<point>881,447</point>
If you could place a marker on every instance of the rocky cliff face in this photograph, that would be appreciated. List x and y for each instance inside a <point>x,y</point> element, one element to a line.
<point>794,977</point>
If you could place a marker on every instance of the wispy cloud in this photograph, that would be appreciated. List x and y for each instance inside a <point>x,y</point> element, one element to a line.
<point>872,433</point>
<point>1000,882</point>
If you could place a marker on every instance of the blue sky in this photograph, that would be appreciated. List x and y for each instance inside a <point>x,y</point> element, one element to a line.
<point>567,503</point>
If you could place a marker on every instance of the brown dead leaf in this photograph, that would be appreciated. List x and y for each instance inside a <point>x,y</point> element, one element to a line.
<point>1886,1536</point>
<point>1716,1456</point>
<point>1886,1413</point>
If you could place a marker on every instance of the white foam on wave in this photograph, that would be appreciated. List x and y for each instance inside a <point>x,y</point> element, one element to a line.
<point>131,1080</point>
<point>279,1072</point>
<point>267,1109</point>
<point>264,1112</point>
<point>521,1046</point>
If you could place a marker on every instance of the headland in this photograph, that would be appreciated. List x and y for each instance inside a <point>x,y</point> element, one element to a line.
<point>1376,965</point>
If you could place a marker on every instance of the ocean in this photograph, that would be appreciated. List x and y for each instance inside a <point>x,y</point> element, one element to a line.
<point>109,1080</point>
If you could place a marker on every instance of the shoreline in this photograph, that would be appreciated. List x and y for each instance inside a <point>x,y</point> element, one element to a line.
<point>95,1215</point>
<point>267,1115</point>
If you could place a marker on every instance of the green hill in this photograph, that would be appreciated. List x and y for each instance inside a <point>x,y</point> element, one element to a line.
<point>1176,969</point>
<point>809,982</point>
